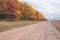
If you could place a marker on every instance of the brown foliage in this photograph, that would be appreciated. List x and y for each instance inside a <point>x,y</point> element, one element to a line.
<point>19,10</point>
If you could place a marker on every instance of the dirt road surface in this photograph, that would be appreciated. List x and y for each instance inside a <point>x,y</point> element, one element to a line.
<point>39,31</point>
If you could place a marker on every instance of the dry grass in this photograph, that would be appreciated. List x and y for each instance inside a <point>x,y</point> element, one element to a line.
<point>57,24</point>
<point>6,25</point>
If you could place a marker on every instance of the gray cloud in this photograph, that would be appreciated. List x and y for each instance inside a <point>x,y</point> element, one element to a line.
<point>49,8</point>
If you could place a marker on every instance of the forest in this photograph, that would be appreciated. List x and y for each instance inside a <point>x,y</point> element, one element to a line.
<point>15,10</point>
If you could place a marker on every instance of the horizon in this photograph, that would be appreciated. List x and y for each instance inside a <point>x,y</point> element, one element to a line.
<point>49,8</point>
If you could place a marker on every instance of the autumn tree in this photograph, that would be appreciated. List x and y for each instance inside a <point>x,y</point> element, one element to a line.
<point>9,7</point>
<point>14,10</point>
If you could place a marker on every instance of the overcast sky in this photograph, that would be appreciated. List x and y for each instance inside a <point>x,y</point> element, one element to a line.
<point>49,8</point>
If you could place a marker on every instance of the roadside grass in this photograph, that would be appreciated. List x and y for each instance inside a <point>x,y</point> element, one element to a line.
<point>56,23</point>
<point>8,25</point>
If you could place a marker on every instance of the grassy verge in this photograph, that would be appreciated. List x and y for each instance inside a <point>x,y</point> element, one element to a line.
<point>56,23</point>
<point>6,25</point>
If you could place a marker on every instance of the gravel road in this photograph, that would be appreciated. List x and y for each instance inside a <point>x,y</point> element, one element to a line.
<point>40,31</point>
